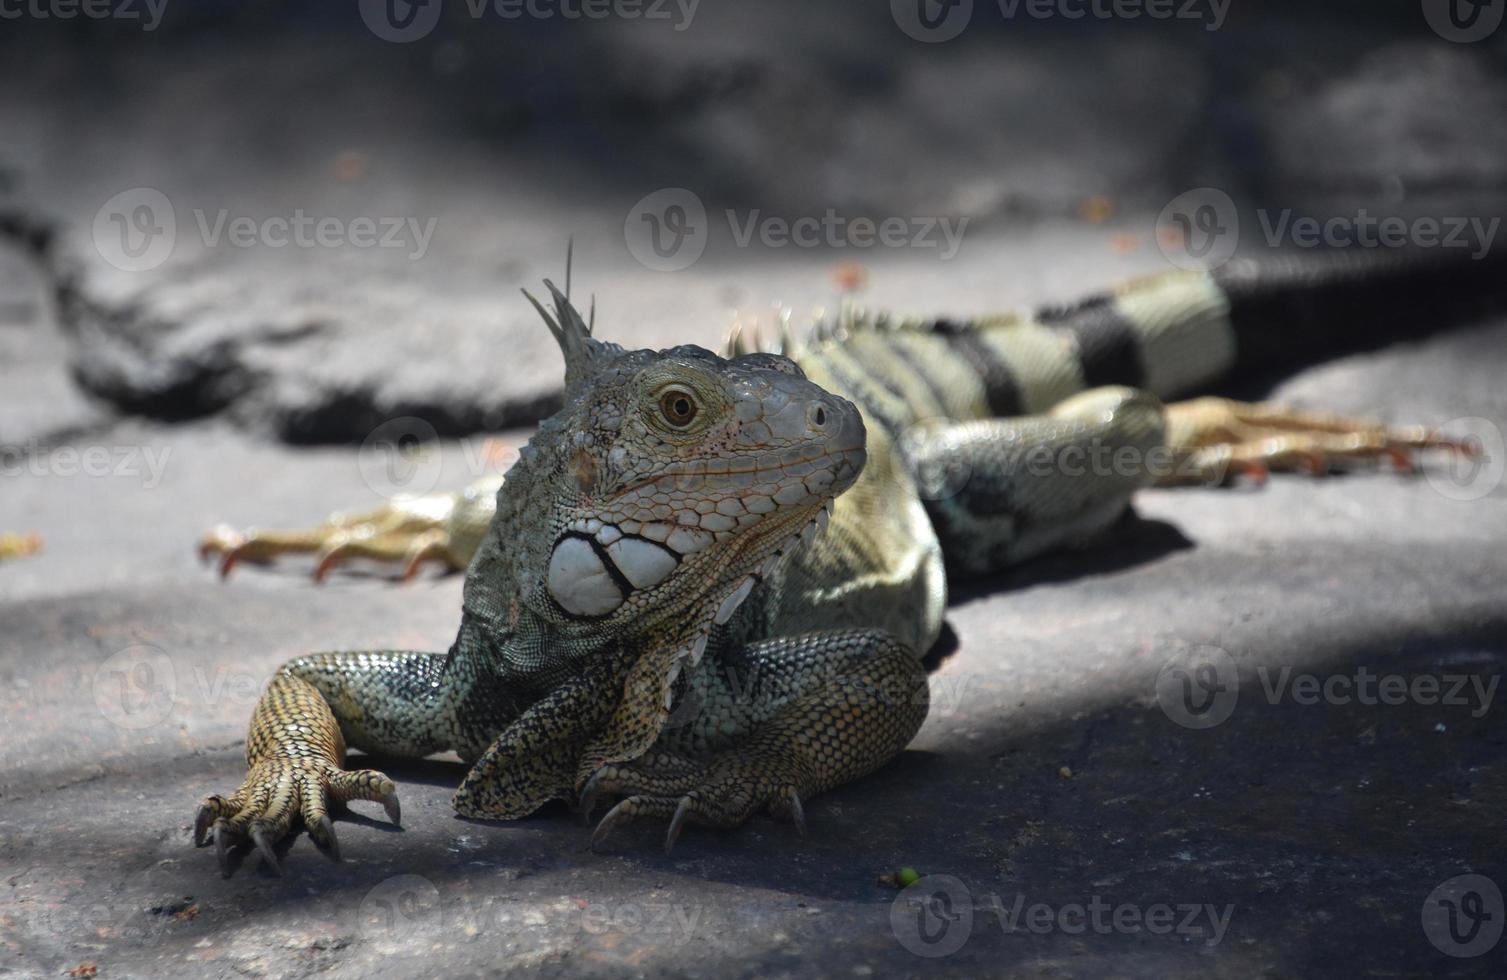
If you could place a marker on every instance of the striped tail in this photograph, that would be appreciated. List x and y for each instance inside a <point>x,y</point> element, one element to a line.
<point>1171,334</point>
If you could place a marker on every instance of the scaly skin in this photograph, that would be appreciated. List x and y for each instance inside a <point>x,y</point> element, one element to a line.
<point>707,584</point>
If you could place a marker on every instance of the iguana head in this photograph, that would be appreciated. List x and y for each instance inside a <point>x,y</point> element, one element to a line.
<point>668,485</point>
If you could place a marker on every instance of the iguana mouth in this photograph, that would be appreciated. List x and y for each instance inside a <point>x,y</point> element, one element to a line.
<point>733,532</point>
<point>849,455</point>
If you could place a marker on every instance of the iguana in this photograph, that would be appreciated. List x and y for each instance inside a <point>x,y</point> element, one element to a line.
<point>706,586</point>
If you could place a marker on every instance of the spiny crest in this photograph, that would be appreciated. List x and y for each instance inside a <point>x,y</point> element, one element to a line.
<point>747,336</point>
<point>583,353</point>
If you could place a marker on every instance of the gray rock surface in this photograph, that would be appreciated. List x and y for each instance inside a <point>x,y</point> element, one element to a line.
<point>1048,774</point>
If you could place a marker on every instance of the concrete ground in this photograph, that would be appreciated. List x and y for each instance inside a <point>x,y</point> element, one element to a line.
<point>1256,732</point>
<point>1051,772</point>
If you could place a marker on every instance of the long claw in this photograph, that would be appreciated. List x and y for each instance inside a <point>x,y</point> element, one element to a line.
<point>589,794</point>
<point>677,822</point>
<point>327,835</point>
<point>202,821</point>
<point>425,550</point>
<point>618,815</point>
<point>797,813</point>
<point>394,809</point>
<point>334,554</point>
<point>223,841</point>
<point>264,844</point>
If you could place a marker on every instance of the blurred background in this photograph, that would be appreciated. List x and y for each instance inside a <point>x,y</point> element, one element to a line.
<point>478,137</point>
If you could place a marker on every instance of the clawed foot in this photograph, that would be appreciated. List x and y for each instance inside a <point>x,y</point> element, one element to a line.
<point>414,532</point>
<point>721,792</point>
<point>1215,439</point>
<point>276,790</point>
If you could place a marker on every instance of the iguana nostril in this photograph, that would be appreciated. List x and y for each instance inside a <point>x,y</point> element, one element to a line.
<point>819,417</point>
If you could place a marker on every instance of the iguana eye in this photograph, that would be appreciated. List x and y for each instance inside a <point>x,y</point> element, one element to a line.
<point>678,407</point>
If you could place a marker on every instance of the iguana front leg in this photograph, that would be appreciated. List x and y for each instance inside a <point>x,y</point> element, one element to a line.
<point>393,702</point>
<point>808,712</point>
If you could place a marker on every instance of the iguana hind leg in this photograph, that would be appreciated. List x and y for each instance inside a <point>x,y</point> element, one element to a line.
<point>1215,439</point>
<point>1000,491</point>
<point>810,712</point>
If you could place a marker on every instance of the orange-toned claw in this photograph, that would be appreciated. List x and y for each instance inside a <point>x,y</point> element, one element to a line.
<point>429,547</point>
<point>1402,459</point>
